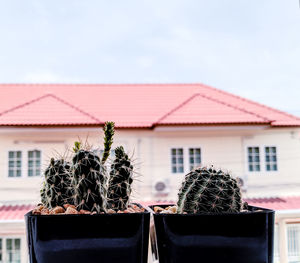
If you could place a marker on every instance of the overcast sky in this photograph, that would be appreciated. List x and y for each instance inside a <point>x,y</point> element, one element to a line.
<point>248,47</point>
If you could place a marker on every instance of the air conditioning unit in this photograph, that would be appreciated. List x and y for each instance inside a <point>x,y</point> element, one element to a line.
<point>161,187</point>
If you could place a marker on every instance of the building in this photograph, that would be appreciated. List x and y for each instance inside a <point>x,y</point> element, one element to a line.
<point>168,128</point>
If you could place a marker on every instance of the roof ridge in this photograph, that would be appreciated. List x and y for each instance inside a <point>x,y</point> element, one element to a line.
<point>210,98</point>
<point>76,108</point>
<point>234,107</point>
<point>45,96</point>
<point>251,101</point>
<point>175,109</point>
<point>23,104</point>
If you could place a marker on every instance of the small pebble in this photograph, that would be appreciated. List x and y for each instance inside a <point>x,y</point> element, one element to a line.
<point>45,211</point>
<point>36,212</point>
<point>173,209</point>
<point>57,210</point>
<point>166,212</point>
<point>68,205</point>
<point>84,212</point>
<point>158,209</point>
<point>71,211</point>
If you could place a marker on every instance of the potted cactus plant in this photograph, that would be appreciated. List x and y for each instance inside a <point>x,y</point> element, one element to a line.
<point>211,223</point>
<point>85,214</point>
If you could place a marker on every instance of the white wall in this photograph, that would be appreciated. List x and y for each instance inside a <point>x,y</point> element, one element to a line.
<point>223,147</point>
<point>227,149</point>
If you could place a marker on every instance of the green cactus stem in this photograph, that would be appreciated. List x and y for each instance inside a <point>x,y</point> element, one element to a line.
<point>108,139</point>
<point>88,175</point>
<point>56,190</point>
<point>121,178</point>
<point>206,190</point>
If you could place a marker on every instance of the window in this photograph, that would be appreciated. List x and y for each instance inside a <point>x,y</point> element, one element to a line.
<point>34,163</point>
<point>293,236</point>
<point>194,157</point>
<point>177,160</point>
<point>13,250</point>
<point>14,163</point>
<point>269,162</point>
<point>271,158</point>
<point>253,159</point>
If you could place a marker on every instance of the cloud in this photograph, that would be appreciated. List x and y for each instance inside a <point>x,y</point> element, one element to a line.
<point>145,61</point>
<point>45,76</point>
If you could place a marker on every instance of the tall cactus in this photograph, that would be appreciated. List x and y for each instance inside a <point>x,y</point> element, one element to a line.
<point>109,131</point>
<point>56,190</point>
<point>121,178</point>
<point>209,190</point>
<point>87,182</point>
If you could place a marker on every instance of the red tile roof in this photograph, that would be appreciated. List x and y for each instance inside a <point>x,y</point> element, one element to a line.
<point>282,203</point>
<point>14,212</point>
<point>131,106</point>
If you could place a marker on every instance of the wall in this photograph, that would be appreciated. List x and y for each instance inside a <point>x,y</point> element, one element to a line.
<point>224,147</point>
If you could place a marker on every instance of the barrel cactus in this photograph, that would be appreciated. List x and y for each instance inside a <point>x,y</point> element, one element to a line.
<point>207,190</point>
<point>56,190</point>
<point>121,178</point>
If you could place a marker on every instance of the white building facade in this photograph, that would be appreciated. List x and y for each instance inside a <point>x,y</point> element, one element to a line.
<point>259,145</point>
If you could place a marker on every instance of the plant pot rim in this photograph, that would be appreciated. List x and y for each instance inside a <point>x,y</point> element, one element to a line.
<point>254,211</point>
<point>29,214</point>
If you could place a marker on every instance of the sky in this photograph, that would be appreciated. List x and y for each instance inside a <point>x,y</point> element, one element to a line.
<point>249,48</point>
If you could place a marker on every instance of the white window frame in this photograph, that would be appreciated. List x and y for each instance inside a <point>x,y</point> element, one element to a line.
<point>186,157</point>
<point>184,160</point>
<point>24,161</point>
<point>22,164</point>
<point>265,163</point>
<point>260,160</point>
<point>262,156</point>
<point>34,159</point>
<point>293,257</point>
<point>4,248</point>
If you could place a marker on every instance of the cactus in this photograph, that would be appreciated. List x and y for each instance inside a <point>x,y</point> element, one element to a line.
<point>56,189</point>
<point>108,139</point>
<point>119,184</point>
<point>87,182</point>
<point>209,190</point>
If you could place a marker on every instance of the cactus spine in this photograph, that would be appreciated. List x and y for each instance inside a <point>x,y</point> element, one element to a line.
<point>56,189</point>
<point>209,190</point>
<point>88,175</point>
<point>119,184</point>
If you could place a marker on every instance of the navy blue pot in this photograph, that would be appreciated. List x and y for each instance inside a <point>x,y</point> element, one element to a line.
<point>220,238</point>
<point>105,238</point>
